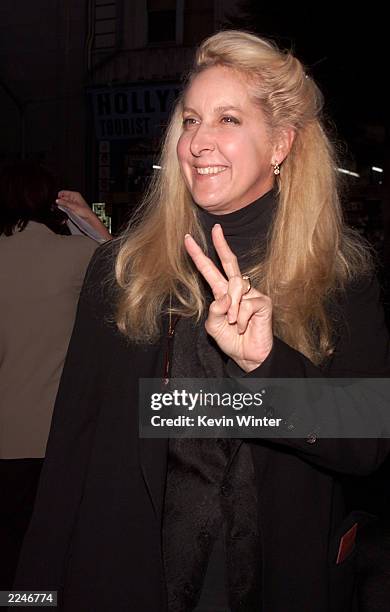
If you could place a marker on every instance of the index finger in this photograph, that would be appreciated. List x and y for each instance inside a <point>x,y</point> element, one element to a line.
<point>228,259</point>
<point>206,267</point>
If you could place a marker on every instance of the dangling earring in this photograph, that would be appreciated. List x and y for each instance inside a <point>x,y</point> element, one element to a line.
<point>276,168</point>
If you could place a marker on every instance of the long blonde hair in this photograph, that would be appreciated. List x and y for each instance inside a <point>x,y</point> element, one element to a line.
<point>310,255</point>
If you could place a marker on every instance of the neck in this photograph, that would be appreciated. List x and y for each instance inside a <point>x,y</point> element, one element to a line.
<point>245,229</point>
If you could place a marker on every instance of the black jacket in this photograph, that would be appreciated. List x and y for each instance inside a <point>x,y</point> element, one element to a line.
<point>95,535</point>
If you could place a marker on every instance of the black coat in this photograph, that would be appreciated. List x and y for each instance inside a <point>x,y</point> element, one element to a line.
<point>95,535</point>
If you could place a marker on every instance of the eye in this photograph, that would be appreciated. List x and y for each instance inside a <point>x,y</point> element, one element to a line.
<point>230,120</point>
<point>189,121</point>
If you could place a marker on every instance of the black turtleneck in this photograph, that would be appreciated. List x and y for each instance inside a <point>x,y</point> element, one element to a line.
<point>246,230</point>
<point>210,538</point>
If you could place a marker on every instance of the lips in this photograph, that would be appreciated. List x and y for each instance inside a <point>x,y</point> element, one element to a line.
<point>210,170</point>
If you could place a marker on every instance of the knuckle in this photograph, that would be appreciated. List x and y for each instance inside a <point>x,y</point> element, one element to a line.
<point>207,326</point>
<point>235,283</point>
<point>213,309</point>
<point>202,265</point>
<point>245,306</point>
<point>265,300</point>
<point>221,287</point>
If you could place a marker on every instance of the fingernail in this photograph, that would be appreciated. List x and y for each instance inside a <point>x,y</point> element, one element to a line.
<point>187,236</point>
<point>231,318</point>
<point>217,225</point>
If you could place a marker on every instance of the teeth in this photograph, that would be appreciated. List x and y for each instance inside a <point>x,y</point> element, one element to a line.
<point>211,170</point>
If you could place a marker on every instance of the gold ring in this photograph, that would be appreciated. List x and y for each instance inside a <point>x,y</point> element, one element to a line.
<point>247,278</point>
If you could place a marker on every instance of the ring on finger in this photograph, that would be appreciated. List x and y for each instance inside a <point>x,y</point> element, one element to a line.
<point>247,278</point>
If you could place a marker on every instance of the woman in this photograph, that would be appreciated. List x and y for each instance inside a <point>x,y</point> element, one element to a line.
<point>248,176</point>
<point>41,273</point>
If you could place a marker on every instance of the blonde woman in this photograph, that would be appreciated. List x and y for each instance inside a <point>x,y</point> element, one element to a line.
<point>240,256</point>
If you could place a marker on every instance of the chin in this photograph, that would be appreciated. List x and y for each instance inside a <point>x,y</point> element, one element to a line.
<point>209,206</point>
<point>208,203</point>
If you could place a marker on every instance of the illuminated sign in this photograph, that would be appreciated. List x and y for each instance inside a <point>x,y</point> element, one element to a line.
<point>137,111</point>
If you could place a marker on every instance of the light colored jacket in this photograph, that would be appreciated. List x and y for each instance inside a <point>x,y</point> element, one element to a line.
<point>41,274</point>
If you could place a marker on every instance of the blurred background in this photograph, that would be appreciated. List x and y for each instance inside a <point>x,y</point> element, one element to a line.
<point>86,87</point>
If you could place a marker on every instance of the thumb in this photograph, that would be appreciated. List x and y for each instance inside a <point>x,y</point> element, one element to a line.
<point>63,193</point>
<point>217,313</point>
<point>220,306</point>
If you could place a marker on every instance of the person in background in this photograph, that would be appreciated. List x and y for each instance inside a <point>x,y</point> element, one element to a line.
<point>238,265</point>
<point>78,209</point>
<point>42,268</point>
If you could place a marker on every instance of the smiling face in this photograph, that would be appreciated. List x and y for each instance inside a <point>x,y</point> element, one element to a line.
<point>225,150</point>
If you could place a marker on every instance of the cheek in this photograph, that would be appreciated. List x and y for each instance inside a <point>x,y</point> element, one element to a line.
<point>237,147</point>
<point>182,149</point>
<point>255,152</point>
<point>182,152</point>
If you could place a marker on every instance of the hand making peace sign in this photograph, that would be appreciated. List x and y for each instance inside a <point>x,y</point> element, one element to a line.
<point>240,321</point>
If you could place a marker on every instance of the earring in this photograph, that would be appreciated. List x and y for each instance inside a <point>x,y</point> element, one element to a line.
<point>276,168</point>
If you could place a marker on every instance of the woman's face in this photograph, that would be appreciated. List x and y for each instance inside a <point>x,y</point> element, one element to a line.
<point>225,150</point>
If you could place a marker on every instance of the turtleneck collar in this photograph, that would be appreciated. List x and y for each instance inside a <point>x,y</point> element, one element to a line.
<point>245,229</point>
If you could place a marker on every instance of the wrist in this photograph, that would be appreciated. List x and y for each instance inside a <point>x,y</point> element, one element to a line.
<point>248,365</point>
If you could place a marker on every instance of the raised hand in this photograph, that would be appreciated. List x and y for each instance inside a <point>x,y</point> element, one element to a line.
<point>240,318</point>
<point>74,202</point>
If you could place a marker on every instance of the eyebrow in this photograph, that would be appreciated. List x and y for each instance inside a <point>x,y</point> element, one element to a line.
<point>217,109</point>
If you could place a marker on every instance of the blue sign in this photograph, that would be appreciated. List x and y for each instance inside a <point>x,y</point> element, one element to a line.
<point>134,111</point>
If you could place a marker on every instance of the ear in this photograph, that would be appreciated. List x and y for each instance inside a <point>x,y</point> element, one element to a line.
<point>284,142</point>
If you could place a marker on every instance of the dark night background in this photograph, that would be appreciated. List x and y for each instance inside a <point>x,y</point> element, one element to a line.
<point>346,53</point>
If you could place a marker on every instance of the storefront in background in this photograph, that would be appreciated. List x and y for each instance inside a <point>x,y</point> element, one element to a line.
<point>129,121</point>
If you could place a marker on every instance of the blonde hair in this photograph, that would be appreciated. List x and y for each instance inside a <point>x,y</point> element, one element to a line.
<point>310,254</point>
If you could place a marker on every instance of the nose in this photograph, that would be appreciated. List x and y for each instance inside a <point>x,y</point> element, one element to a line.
<point>202,141</point>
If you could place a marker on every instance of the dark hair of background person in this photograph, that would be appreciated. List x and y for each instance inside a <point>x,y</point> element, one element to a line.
<point>28,192</point>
